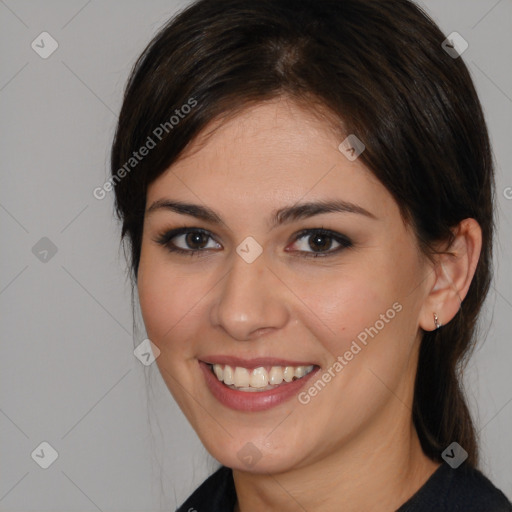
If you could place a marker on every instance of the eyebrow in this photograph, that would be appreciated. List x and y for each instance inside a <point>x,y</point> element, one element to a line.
<point>282,216</point>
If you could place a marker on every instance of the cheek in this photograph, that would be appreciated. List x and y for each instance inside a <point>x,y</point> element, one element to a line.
<point>341,305</point>
<point>365,318</point>
<point>170,304</point>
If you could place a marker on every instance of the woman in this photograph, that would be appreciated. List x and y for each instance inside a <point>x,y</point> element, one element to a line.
<point>306,186</point>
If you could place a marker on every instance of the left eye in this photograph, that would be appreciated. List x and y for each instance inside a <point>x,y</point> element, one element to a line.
<point>320,242</point>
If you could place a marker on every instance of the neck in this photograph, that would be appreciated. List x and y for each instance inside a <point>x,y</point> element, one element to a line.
<point>371,476</point>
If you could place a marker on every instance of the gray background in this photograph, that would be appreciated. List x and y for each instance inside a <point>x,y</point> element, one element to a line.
<point>68,373</point>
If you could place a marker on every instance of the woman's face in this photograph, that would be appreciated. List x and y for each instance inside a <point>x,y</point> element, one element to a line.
<point>267,291</point>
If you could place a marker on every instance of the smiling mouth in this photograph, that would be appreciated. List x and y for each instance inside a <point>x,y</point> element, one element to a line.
<point>258,379</point>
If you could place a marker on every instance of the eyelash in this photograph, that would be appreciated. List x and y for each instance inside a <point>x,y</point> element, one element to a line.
<point>165,238</point>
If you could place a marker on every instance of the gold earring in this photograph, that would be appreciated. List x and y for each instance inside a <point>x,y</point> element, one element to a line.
<point>436,322</point>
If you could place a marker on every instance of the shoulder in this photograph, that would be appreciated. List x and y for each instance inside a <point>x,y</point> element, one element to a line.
<point>216,493</point>
<point>464,489</point>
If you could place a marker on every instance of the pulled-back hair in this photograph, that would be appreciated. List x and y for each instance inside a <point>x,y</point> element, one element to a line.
<point>371,68</point>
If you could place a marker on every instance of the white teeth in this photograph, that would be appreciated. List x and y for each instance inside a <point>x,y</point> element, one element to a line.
<point>219,371</point>
<point>228,375</point>
<point>241,377</point>
<point>300,371</point>
<point>276,375</point>
<point>288,373</point>
<point>258,379</point>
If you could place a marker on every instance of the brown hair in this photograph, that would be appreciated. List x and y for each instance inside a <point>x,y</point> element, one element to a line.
<point>378,68</point>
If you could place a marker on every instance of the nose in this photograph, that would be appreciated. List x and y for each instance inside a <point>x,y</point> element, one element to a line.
<point>251,300</point>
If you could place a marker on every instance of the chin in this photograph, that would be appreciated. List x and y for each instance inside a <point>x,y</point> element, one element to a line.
<point>251,457</point>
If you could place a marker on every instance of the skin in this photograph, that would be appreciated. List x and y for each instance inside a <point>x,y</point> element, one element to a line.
<point>353,446</point>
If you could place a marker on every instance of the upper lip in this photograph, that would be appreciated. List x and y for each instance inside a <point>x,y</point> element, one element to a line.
<point>253,363</point>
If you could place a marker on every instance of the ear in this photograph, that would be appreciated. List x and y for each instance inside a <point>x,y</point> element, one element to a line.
<point>454,271</point>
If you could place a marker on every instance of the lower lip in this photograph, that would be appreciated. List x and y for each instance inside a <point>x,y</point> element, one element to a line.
<point>252,401</point>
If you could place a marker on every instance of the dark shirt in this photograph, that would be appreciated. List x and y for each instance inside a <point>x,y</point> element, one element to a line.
<point>448,490</point>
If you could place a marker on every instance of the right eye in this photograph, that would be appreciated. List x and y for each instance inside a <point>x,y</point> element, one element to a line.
<point>190,241</point>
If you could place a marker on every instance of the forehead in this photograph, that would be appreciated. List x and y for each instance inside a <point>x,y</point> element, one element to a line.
<point>270,153</point>
<point>280,128</point>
